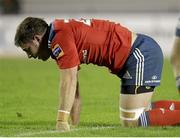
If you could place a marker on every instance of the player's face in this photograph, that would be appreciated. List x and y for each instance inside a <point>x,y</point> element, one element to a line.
<point>31,49</point>
<point>37,48</point>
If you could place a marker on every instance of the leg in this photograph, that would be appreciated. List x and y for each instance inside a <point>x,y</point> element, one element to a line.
<point>166,104</point>
<point>132,106</point>
<point>175,57</point>
<point>159,117</point>
<point>135,111</point>
<point>175,60</point>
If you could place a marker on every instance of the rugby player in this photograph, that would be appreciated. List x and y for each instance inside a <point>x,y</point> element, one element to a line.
<point>135,58</point>
<point>175,56</point>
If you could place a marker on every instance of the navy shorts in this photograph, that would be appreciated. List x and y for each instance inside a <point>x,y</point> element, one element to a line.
<point>144,64</point>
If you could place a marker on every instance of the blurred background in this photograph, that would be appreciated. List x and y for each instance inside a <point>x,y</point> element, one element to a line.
<point>157,18</point>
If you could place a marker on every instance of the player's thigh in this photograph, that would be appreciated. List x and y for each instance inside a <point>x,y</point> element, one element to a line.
<point>134,101</point>
<point>132,106</point>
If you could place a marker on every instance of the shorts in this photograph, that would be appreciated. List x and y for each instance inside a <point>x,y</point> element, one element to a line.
<point>144,64</point>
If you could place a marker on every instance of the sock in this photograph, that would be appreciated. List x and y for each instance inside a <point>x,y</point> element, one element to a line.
<point>169,104</point>
<point>159,117</point>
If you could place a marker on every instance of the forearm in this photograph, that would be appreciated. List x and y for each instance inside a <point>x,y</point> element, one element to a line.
<point>75,111</point>
<point>67,95</point>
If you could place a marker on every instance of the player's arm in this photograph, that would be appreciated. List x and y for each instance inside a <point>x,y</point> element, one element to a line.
<point>68,83</point>
<point>175,56</point>
<point>75,111</point>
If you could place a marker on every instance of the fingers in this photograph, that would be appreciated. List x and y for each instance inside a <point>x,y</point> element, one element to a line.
<point>62,126</point>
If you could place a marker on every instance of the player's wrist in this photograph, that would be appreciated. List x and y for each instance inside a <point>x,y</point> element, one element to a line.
<point>62,120</point>
<point>62,116</point>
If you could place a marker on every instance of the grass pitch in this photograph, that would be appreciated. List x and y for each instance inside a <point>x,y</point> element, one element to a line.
<point>29,91</point>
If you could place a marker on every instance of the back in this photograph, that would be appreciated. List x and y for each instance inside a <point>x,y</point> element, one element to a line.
<point>99,42</point>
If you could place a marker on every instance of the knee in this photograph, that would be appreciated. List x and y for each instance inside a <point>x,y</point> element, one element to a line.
<point>129,117</point>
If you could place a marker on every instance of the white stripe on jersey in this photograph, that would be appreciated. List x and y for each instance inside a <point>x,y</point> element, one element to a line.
<point>139,66</point>
<point>143,120</point>
<point>142,57</point>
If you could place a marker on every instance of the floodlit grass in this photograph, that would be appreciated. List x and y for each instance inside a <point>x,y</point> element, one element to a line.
<point>29,91</point>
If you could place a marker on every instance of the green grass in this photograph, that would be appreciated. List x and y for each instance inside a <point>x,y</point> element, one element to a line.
<point>29,91</point>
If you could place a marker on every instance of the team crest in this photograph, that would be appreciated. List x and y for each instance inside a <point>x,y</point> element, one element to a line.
<point>57,51</point>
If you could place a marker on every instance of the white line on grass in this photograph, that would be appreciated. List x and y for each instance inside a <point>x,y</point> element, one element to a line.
<point>55,131</point>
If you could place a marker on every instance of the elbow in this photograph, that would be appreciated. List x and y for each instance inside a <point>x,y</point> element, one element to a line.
<point>69,76</point>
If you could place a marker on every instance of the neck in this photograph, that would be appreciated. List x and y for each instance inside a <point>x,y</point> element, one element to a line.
<point>44,41</point>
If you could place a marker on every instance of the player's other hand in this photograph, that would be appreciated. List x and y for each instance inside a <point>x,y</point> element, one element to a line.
<point>62,126</point>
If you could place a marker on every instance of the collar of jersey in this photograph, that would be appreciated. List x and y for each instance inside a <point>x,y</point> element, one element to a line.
<point>51,34</point>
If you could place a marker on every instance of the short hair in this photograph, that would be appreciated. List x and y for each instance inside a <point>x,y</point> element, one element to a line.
<point>28,28</point>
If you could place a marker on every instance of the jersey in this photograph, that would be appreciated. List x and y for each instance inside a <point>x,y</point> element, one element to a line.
<point>99,42</point>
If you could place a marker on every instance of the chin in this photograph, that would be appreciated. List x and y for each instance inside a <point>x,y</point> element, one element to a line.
<point>44,58</point>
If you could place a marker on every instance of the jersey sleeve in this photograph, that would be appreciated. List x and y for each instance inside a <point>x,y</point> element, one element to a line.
<point>178,29</point>
<point>65,51</point>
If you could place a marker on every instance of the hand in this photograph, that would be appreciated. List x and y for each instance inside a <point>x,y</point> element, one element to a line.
<point>62,126</point>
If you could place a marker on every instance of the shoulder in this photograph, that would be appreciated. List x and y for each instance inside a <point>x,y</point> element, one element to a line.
<point>58,30</point>
<point>62,42</point>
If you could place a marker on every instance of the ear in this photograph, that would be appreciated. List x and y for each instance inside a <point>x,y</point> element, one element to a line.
<point>37,37</point>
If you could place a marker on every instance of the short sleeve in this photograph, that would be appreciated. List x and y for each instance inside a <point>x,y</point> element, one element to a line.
<point>64,50</point>
<point>178,29</point>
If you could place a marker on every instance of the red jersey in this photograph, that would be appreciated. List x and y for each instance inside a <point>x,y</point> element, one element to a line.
<point>99,42</point>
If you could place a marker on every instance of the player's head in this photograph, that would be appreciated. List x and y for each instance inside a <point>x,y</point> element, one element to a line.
<point>32,36</point>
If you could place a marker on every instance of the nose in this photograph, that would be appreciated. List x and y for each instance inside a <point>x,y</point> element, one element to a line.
<point>29,56</point>
<point>32,56</point>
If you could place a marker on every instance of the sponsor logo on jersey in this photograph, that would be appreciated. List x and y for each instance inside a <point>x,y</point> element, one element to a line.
<point>154,77</point>
<point>148,87</point>
<point>57,51</point>
<point>85,55</point>
<point>153,80</point>
<point>127,75</point>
